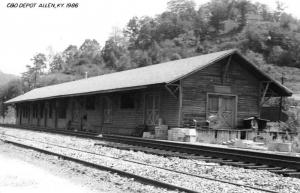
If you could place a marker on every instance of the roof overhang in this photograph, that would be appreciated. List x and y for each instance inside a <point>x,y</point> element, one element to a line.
<point>78,94</point>
<point>191,66</point>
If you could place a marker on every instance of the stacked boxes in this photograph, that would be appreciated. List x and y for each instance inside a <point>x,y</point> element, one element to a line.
<point>161,132</point>
<point>182,134</point>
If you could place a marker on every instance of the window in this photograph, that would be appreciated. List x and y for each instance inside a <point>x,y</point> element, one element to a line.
<point>107,110</point>
<point>90,103</point>
<point>62,108</point>
<point>127,101</point>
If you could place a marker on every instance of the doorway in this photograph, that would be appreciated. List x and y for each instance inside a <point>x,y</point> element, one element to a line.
<point>222,108</point>
<point>151,109</point>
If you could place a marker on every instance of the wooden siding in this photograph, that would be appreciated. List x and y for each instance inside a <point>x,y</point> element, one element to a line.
<point>124,121</point>
<point>239,82</point>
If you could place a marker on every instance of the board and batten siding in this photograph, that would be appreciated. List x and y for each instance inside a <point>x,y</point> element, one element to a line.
<point>241,83</point>
<point>124,121</point>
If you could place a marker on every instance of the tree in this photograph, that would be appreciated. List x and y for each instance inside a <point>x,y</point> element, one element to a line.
<point>181,6</point>
<point>90,50</point>
<point>8,91</point>
<point>71,56</point>
<point>132,31</point>
<point>243,7</point>
<point>219,12</point>
<point>57,63</point>
<point>34,71</point>
<point>280,7</point>
<point>39,63</point>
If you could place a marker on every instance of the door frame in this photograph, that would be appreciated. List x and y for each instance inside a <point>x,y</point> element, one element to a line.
<point>224,94</point>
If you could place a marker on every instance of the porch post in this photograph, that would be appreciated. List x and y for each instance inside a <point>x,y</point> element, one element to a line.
<point>180,105</point>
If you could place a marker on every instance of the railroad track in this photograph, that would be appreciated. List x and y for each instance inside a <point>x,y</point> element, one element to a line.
<point>140,178</point>
<point>280,164</point>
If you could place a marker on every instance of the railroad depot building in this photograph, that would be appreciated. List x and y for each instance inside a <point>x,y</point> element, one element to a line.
<point>178,92</point>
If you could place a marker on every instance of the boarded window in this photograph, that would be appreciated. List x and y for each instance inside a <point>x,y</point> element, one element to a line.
<point>107,110</point>
<point>62,108</point>
<point>90,103</point>
<point>213,104</point>
<point>127,101</point>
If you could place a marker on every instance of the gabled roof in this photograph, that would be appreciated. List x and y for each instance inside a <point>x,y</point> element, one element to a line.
<point>155,74</point>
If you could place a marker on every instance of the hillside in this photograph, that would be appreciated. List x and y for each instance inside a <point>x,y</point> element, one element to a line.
<point>268,38</point>
<point>5,78</point>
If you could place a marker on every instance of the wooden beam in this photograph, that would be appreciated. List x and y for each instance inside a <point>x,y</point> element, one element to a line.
<point>264,94</point>
<point>226,67</point>
<point>173,92</point>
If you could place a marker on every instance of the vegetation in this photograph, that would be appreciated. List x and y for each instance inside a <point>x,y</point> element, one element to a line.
<point>269,38</point>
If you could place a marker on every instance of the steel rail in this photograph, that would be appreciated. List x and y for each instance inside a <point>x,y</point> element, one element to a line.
<point>142,179</point>
<point>150,165</point>
<point>225,153</point>
<point>247,156</point>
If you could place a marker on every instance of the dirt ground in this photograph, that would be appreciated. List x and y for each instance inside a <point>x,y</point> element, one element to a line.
<point>29,171</point>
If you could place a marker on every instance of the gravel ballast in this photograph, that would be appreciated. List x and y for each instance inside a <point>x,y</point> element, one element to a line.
<point>258,178</point>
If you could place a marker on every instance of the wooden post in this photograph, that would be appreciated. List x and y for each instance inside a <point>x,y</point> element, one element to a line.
<point>29,113</point>
<point>56,113</point>
<point>45,114</point>
<point>38,114</point>
<point>180,105</point>
<point>20,113</point>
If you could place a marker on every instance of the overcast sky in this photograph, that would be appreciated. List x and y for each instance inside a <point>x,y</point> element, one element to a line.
<point>25,32</point>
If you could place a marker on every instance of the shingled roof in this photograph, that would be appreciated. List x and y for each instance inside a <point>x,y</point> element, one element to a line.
<point>136,78</point>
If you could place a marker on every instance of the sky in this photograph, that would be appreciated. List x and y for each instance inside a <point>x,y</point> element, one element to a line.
<point>25,32</point>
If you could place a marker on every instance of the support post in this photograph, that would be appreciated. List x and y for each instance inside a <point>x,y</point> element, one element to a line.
<point>264,94</point>
<point>56,113</point>
<point>180,105</point>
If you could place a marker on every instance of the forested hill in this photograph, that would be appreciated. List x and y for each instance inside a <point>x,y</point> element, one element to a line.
<point>269,38</point>
<point>5,78</point>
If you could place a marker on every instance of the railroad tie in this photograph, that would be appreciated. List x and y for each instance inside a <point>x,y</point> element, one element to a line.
<point>293,174</point>
<point>270,168</point>
<point>282,171</point>
<point>257,167</point>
